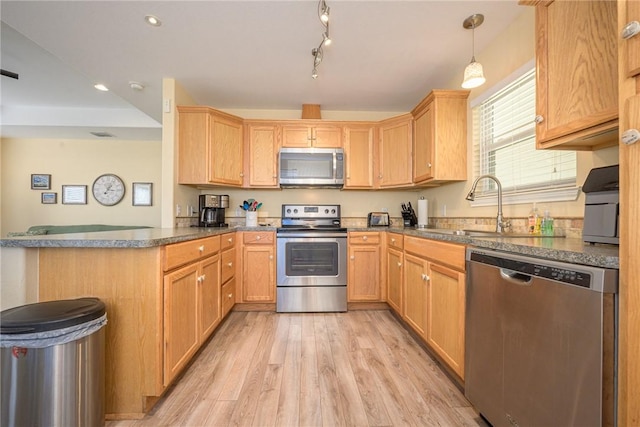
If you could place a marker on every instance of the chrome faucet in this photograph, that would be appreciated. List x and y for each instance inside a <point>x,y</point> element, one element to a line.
<point>501,224</point>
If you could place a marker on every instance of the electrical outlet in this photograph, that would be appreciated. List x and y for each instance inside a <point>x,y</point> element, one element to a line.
<point>178,210</point>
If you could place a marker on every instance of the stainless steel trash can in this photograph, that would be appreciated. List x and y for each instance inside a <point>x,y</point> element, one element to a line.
<point>52,364</point>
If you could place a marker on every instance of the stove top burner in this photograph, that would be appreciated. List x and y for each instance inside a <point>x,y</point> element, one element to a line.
<point>311,217</point>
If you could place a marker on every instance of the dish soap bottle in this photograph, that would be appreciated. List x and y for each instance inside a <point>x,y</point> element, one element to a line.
<point>534,221</point>
<point>547,224</point>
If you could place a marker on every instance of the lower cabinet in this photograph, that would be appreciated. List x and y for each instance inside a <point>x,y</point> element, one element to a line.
<point>363,272</point>
<point>228,272</point>
<point>258,267</point>
<point>395,272</point>
<point>434,296</point>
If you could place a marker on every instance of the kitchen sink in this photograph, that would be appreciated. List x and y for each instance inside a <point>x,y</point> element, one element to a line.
<point>485,233</point>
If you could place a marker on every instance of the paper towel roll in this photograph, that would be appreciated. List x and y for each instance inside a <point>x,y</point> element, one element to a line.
<point>423,216</point>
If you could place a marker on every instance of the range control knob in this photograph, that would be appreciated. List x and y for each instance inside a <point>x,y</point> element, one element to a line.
<point>288,210</point>
<point>333,211</point>
<point>295,211</point>
<point>326,211</point>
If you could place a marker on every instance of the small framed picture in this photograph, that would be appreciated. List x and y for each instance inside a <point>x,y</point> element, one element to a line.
<point>40,181</point>
<point>74,194</point>
<point>142,193</point>
<point>49,198</point>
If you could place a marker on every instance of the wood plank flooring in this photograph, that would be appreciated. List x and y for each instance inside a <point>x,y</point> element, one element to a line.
<point>360,368</point>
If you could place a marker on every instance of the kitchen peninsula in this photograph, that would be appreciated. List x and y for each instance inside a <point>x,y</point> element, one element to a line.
<point>133,272</point>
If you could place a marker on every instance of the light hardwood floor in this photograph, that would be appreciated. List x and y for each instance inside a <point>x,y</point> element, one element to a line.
<point>360,368</point>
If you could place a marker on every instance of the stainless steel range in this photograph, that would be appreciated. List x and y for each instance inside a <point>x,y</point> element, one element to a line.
<point>312,260</point>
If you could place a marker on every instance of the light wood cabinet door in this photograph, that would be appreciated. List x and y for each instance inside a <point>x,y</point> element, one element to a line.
<point>209,147</point>
<point>359,156</point>
<point>228,296</point>
<point>181,339</point>
<point>440,138</point>
<point>445,310</point>
<point>209,296</point>
<point>576,80</point>
<point>364,273</point>
<point>394,280</point>
<point>415,293</point>
<point>394,152</point>
<point>631,46</point>
<point>304,135</point>
<point>262,156</point>
<point>258,267</point>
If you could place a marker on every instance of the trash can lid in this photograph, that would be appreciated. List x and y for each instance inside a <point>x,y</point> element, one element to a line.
<point>50,315</point>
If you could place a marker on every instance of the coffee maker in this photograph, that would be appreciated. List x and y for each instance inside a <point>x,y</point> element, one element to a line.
<point>211,212</point>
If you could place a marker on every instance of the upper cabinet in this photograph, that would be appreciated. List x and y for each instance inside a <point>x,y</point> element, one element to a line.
<point>394,152</point>
<point>302,134</point>
<point>576,56</point>
<point>359,156</point>
<point>209,147</point>
<point>631,34</point>
<point>261,155</point>
<point>440,138</point>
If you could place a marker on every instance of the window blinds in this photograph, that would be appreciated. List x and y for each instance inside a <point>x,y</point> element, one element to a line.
<point>504,141</point>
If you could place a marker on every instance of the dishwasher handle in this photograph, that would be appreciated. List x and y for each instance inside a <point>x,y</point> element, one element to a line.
<point>515,277</point>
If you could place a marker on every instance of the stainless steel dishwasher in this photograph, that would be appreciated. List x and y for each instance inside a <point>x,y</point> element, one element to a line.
<point>540,341</point>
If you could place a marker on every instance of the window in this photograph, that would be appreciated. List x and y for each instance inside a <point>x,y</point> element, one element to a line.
<point>504,140</point>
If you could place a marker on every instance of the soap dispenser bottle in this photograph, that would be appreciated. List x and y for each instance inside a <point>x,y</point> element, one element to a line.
<point>547,224</point>
<point>534,221</point>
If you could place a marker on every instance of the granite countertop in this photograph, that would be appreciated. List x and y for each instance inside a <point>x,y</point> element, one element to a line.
<point>570,250</point>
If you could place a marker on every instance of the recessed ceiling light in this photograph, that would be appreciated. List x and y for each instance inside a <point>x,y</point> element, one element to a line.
<point>101,87</point>
<point>152,20</point>
<point>136,86</point>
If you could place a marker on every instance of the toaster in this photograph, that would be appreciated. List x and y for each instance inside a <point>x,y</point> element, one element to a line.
<point>378,219</point>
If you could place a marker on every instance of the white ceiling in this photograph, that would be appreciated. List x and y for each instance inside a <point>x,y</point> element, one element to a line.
<point>385,56</point>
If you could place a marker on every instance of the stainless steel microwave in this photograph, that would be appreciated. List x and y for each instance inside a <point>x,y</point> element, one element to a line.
<point>311,167</point>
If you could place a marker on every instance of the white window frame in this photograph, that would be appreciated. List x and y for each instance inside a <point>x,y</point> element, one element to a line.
<point>487,196</point>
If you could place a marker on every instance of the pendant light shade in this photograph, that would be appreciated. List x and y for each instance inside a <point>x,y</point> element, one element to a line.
<point>473,74</point>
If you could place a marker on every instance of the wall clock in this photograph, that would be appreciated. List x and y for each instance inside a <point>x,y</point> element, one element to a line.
<point>108,189</point>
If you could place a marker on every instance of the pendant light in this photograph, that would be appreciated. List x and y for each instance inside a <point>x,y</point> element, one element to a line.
<point>473,74</point>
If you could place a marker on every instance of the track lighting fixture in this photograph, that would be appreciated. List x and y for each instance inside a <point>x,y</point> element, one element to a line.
<point>323,15</point>
<point>473,74</point>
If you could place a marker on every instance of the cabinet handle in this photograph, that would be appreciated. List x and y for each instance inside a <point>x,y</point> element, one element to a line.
<point>425,277</point>
<point>258,237</point>
<point>200,279</point>
<point>230,264</point>
<point>393,240</point>
<point>201,248</point>
<point>428,165</point>
<point>353,257</point>
<point>364,237</point>
<point>271,257</point>
<point>539,119</point>
<point>230,240</point>
<point>630,136</point>
<point>630,30</point>
<point>230,296</point>
<point>399,264</point>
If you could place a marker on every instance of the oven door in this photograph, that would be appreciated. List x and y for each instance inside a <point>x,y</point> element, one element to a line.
<point>312,259</point>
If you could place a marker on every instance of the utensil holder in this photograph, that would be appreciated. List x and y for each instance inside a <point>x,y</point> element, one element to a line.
<point>251,219</point>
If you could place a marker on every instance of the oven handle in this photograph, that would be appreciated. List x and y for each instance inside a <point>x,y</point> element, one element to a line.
<point>290,234</point>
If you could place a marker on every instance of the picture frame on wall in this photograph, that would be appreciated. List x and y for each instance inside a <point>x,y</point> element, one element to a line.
<point>74,194</point>
<point>40,181</point>
<point>142,193</point>
<point>49,198</point>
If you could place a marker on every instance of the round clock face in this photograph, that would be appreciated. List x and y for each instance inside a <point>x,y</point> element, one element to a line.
<point>108,189</point>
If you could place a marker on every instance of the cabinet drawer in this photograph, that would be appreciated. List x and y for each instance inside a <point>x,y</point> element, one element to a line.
<point>258,238</point>
<point>228,296</point>
<point>443,253</point>
<point>227,241</point>
<point>182,253</point>
<point>395,241</point>
<point>364,238</point>
<point>228,266</point>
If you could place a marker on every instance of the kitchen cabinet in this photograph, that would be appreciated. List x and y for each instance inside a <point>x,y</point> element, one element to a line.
<point>261,160</point>
<point>228,263</point>
<point>394,152</point>
<point>258,267</point>
<point>435,297</point>
<point>359,156</point>
<point>394,272</point>
<point>440,138</point>
<point>629,297</point>
<point>191,301</point>
<point>576,74</point>
<point>305,134</point>
<point>363,273</point>
<point>209,147</point>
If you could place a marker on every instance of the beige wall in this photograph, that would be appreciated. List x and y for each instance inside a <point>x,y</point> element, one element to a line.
<point>509,52</point>
<point>76,162</point>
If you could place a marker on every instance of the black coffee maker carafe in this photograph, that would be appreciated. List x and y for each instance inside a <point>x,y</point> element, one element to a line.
<point>212,210</point>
